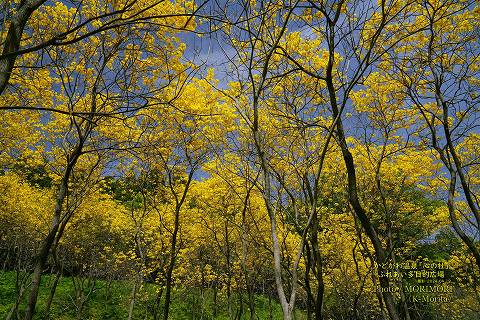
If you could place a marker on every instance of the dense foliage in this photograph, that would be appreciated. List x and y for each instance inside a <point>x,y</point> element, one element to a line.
<point>324,165</point>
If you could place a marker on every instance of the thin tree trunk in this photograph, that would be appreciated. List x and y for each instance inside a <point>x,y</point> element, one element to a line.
<point>46,245</point>
<point>229,302</point>
<point>21,289</point>
<point>287,305</point>
<point>53,288</point>
<point>240,308</point>
<point>318,268</point>
<point>12,41</point>
<point>270,313</point>
<point>215,292</point>
<point>246,273</point>
<point>133,296</point>
<point>388,218</point>
<point>52,235</point>
<point>456,226</point>
<point>251,301</point>
<point>365,221</point>
<point>37,273</point>
<point>156,306</point>
<point>308,289</point>
<point>171,266</point>
<point>173,254</point>
<point>352,190</point>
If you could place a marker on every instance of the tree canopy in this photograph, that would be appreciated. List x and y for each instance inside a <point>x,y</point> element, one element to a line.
<point>321,154</point>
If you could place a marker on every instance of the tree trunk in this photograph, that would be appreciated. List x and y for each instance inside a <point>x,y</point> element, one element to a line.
<point>53,288</point>
<point>133,297</point>
<point>168,287</point>
<point>37,273</point>
<point>366,224</point>
<point>215,291</point>
<point>251,301</point>
<point>352,190</point>
<point>51,237</point>
<point>156,306</point>
<point>12,41</point>
<point>318,267</point>
<point>173,254</point>
<point>21,289</point>
<point>270,314</point>
<point>47,243</point>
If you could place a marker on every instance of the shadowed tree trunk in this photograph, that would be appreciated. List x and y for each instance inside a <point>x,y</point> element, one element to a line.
<point>51,294</point>
<point>179,201</point>
<point>47,243</point>
<point>12,40</point>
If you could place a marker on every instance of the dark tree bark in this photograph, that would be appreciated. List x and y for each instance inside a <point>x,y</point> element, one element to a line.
<point>12,41</point>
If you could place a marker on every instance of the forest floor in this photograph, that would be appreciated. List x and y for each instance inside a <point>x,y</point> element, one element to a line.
<point>112,302</point>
